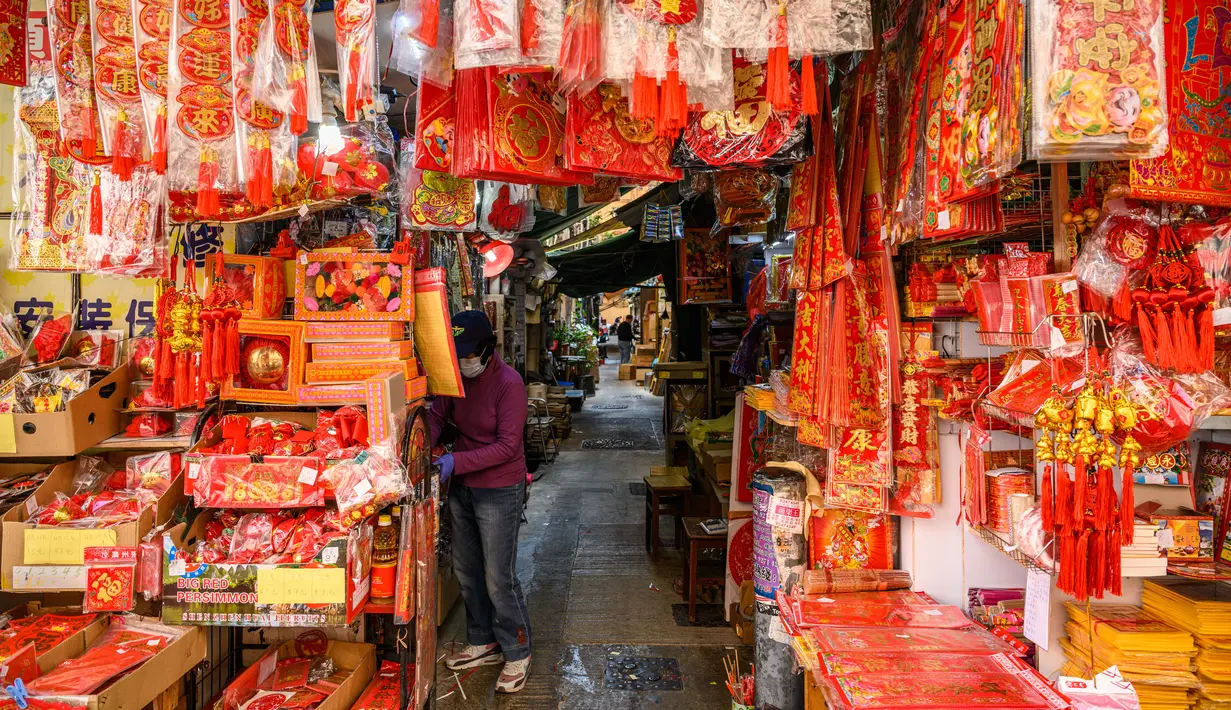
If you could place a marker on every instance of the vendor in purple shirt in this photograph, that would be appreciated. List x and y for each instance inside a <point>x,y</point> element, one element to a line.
<point>488,466</point>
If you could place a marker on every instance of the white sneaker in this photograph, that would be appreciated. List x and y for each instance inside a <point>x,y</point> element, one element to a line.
<point>513,677</point>
<point>472,656</point>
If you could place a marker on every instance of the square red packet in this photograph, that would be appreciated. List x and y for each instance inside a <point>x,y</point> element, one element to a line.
<point>110,572</point>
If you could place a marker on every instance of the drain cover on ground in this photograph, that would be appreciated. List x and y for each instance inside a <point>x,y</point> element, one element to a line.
<point>637,489</point>
<point>608,406</point>
<point>607,443</point>
<point>630,396</point>
<point>642,673</point>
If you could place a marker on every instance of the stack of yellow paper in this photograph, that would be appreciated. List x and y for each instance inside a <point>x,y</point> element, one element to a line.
<point>759,397</point>
<point>1203,607</point>
<point>1154,656</point>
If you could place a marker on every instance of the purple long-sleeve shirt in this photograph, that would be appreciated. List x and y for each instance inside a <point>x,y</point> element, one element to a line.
<point>490,419</point>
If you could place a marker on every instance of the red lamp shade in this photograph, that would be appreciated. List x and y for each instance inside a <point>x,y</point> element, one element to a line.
<point>496,258</point>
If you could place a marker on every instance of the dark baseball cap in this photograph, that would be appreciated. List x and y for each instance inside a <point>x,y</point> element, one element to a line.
<point>470,330</point>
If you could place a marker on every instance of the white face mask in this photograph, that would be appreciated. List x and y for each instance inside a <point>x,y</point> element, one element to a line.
<point>471,367</point>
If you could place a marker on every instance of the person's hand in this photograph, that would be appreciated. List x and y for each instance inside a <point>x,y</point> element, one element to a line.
<point>446,466</point>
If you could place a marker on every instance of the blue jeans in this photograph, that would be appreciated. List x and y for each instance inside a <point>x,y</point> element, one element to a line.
<point>485,526</point>
<point>626,352</point>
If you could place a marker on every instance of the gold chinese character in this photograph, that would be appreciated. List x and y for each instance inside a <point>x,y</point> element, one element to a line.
<point>206,123</point>
<point>1102,7</point>
<point>1111,47</point>
<point>860,440</point>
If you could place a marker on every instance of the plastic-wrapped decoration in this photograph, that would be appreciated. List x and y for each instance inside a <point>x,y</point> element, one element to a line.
<point>507,33</point>
<point>116,85</point>
<point>435,112</point>
<point>507,210</point>
<point>201,152</point>
<point>435,200</point>
<point>357,159</point>
<point>753,134</point>
<point>1097,80</point>
<point>286,76</point>
<point>581,47</point>
<point>744,197</point>
<point>266,146</point>
<point>354,27</point>
<point>420,49</point>
<point>49,204</point>
<point>1124,241</point>
<point>76,102</point>
<point>132,241</point>
<point>151,34</point>
<point>365,484</point>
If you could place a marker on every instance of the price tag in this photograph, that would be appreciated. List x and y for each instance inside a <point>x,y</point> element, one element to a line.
<point>942,219</point>
<point>281,585</point>
<point>63,547</point>
<point>307,475</point>
<point>31,506</point>
<point>362,487</point>
<point>1038,607</point>
<point>36,577</point>
<point>932,612</point>
<point>1222,316</point>
<point>329,169</point>
<point>268,665</point>
<point>1069,286</point>
<point>194,470</point>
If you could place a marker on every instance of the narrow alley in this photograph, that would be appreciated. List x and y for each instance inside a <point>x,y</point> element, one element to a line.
<point>593,592</point>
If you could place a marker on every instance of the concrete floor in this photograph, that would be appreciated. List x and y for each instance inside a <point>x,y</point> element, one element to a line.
<point>591,588</point>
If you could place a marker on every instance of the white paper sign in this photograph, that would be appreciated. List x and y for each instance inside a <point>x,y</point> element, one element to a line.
<point>31,506</point>
<point>785,514</point>
<point>194,470</point>
<point>1038,607</point>
<point>307,475</point>
<point>35,577</point>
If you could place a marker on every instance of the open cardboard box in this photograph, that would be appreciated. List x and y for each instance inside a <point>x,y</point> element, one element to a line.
<point>88,418</point>
<point>56,563</point>
<point>358,658</point>
<point>140,687</point>
<point>70,647</point>
<point>320,593</point>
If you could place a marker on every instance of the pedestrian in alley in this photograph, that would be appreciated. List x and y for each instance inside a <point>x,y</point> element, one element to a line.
<point>488,467</point>
<point>624,334</point>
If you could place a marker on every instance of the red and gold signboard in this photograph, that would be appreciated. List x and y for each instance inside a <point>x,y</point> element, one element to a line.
<point>14,49</point>
<point>602,136</point>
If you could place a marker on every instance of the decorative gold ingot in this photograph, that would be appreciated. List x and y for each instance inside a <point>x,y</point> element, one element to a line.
<point>146,365</point>
<point>265,365</point>
<point>1087,404</point>
<point>1105,420</point>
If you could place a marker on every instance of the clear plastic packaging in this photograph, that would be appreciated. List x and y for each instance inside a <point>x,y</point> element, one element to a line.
<point>816,27</point>
<point>435,200</point>
<point>154,472</point>
<point>419,53</point>
<point>266,146</point>
<point>285,75</point>
<point>581,66</point>
<point>744,197</point>
<point>507,210</point>
<point>119,96</point>
<point>68,26</point>
<point>126,644</point>
<point>601,135</point>
<point>1097,80</point>
<point>507,33</point>
<point>354,159</point>
<point>151,35</point>
<point>355,25</point>
<point>132,234</point>
<point>236,481</point>
<point>48,390</point>
<point>1124,241</point>
<point>201,159</point>
<point>365,484</point>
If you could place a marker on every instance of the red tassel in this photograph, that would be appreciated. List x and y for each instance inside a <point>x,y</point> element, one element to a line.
<point>299,100</point>
<point>1096,569</point>
<point>1064,557</point>
<point>158,159</point>
<point>1062,518</point>
<point>1104,499</point>
<point>89,138</point>
<point>529,28</point>
<point>1113,559</point>
<point>1080,578</point>
<point>207,184</point>
<point>808,80</point>
<point>674,96</point>
<point>1127,502</point>
<point>96,205</point>
<point>207,345</point>
<point>1206,336</point>
<point>1180,330</point>
<point>1081,485</point>
<point>1148,336</point>
<point>1122,305</point>
<point>181,378</point>
<point>644,103</point>
<point>200,380</point>
<point>122,161</point>
<point>232,341</point>
<point>1048,499</point>
<point>1164,349</point>
<point>778,83</point>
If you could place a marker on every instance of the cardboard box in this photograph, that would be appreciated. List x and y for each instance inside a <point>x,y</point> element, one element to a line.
<point>716,459</point>
<point>140,687</point>
<point>56,562</point>
<point>319,373</point>
<point>89,418</point>
<point>643,360</point>
<point>416,388</point>
<point>227,594</point>
<point>643,372</point>
<point>290,335</point>
<point>628,372</point>
<point>70,647</point>
<point>314,280</point>
<point>349,352</point>
<point>358,332</point>
<point>259,283</point>
<point>358,658</point>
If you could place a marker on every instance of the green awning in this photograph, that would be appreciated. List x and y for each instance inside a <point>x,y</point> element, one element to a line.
<point>615,265</point>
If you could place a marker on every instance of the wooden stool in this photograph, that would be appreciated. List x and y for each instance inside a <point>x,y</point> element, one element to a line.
<point>664,495</point>
<point>698,540</point>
